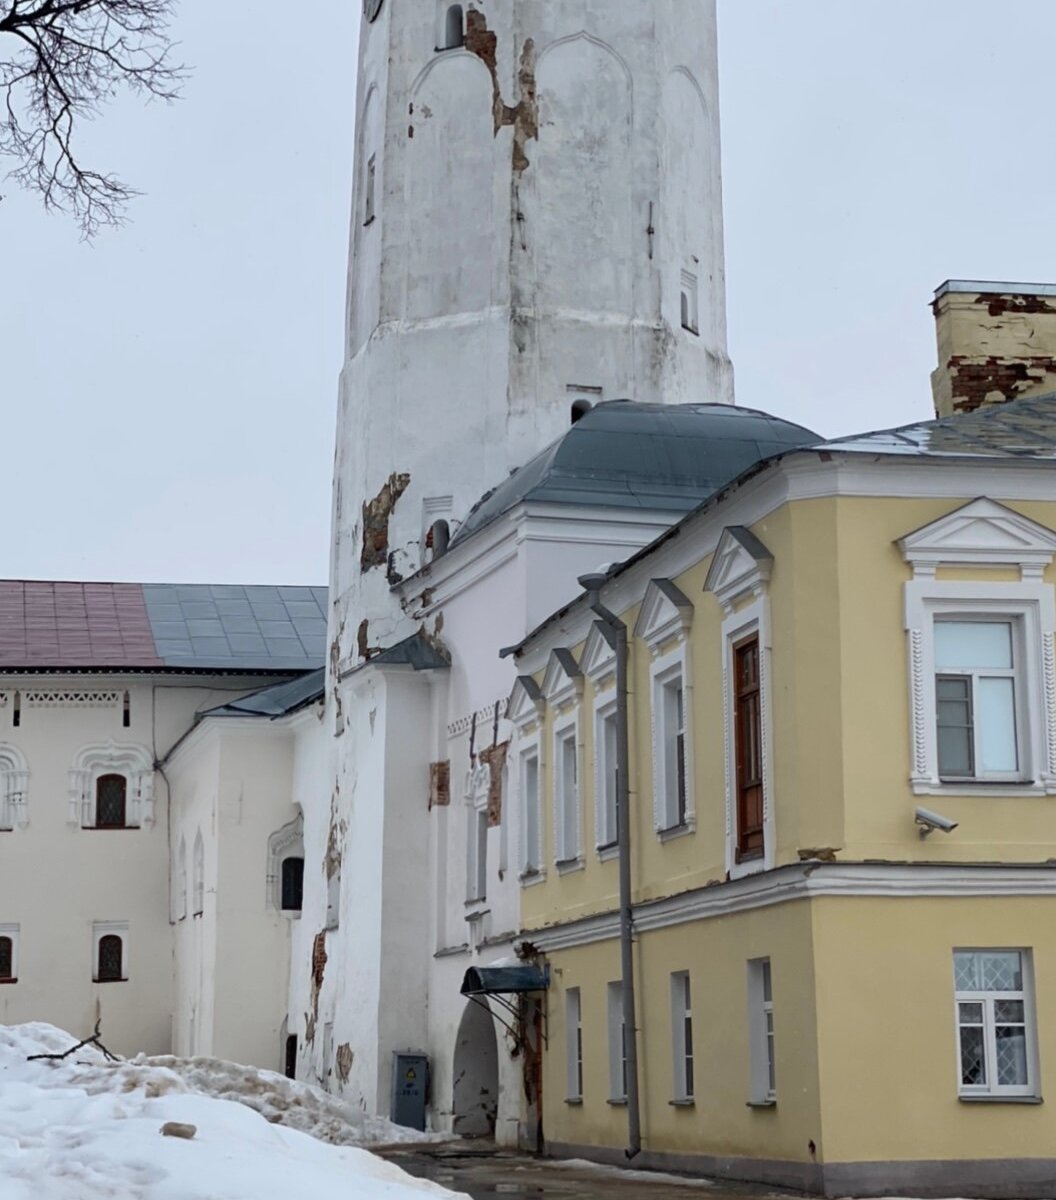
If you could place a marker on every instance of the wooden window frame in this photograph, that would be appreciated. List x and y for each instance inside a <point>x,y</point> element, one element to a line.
<point>749,840</point>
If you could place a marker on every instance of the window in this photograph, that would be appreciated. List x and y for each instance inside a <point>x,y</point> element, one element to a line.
<point>477,854</point>
<point>531,856</point>
<point>682,1036</point>
<point>14,786</point>
<point>8,954</point>
<point>617,1045</point>
<point>670,700</point>
<point>763,1089</point>
<point>690,303</point>
<point>580,408</point>
<point>995,1035</point>
<point>292,884</point>
<point>606,799</point>
<point>566,760</point>
<point>290,1064</point>
<point>749,756</point>
<point>110,957</point>
<point>198,899</point>
<point>574,1044</point>
<point>110,796</point>
<point>126,711</point>
<point>977,728</point>
<point>369,186</point>
<point>453,29</point>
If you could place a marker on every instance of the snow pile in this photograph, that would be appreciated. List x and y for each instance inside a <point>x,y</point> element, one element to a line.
<point>83,1129</point>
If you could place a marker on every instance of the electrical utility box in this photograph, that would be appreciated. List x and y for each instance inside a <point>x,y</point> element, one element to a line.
<point>410,1089</point>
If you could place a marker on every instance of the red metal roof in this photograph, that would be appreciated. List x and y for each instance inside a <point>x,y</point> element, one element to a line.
<point>45,624</point>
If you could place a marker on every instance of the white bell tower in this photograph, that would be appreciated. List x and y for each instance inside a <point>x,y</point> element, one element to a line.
<point>536,225</point>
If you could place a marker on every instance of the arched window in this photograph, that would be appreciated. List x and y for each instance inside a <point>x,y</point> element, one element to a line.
<point>290,1065</point>
<point>7,960</point>
<point>454,27</point>
<point>292,884</point>
<point>580,408</point>
<point>110,794</point>
<point>198,900</point>
<point>111,954</point>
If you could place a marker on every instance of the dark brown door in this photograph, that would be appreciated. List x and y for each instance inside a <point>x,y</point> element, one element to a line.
<point>748,731</point>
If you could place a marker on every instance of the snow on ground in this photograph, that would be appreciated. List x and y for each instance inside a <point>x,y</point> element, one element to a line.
<point>85,1129</point>
<point>625,1173</point>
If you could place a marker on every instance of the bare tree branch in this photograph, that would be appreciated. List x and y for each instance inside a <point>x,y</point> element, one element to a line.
<point>61,61</point>
<point>88,1041</point>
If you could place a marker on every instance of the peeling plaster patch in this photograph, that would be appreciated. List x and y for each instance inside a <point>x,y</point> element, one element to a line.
<point>376,515</point>
<point>820,854</point>
<point>344,1061</point>
<point>439,784</point>
<point>998,306</point>
<point>318,968</point>
<point>495,758</point>
<point>993,380</point>
<point>524,115</point>
<point>366,650</point>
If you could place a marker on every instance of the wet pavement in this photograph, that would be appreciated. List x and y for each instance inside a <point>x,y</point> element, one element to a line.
<point>488,1175</point>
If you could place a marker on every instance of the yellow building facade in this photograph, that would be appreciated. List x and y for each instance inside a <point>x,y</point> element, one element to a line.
<point>841,711</point>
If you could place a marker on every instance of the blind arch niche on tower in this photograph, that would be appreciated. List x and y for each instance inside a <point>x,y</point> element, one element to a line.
<point>579,186</point>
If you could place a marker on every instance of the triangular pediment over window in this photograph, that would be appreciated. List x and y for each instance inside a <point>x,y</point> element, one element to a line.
<point>599,656</point>
<point>740,567</point>
<point>665,613</point>
<point>981,533</point>
<point>563,680</point>
<point>526,701</point>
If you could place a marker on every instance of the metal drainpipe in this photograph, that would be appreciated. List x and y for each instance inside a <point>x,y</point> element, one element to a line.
<point>616,632</point>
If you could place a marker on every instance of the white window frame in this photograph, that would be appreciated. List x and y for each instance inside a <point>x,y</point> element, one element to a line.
<point>617,1044</point>
<point>14,788</point>
<point>567,801</point>
<point>531,855</point>
<point>573,1045</point>
<point>476,853</point>
<point>101,929</point>
<point>982,534</point>
<point>762,1090</point>
<point>992,1090</point>
<point>1029,607</point>
<point>606,785</point>
<point>666,671</point>
<point>135,763</point>
<point>14,933</point>
<point>683,1063</point>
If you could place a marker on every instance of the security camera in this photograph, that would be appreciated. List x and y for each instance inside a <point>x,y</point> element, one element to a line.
<point>930,821</point>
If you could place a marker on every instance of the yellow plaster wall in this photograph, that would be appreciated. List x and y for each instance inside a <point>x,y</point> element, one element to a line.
<point>720,1122</point>
<point>887,1039</point>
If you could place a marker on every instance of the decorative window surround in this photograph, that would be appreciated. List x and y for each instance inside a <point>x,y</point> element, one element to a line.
<point>605,785</point>
<point>101,929</point>
<point>563,680</point>
<point>478,784</point>
<point>287,842</point>
<point>666,617</point>
<point>526,706</point>
<point>568,835</point>
<point>530,783</point>
<point>14,787</point>
<point>135,763</point>
<point>740,572</point>
<point>983,534</point>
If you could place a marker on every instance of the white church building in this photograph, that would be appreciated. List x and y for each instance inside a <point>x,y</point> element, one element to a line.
<point>278,825</point>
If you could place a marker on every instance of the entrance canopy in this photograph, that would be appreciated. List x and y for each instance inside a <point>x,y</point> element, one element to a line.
<point>496,981</point>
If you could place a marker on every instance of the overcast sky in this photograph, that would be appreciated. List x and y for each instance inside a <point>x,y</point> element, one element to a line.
<point>169,392</point>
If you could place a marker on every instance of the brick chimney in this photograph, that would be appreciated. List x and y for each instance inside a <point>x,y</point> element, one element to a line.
<point>997,341</point>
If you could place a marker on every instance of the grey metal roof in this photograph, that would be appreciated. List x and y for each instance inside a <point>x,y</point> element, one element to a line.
<point>663,457</point>
<point>417,651</point>
<point>255,627</point>
<point>1018,429</point>
<point>991,288</point>
<point>276,700</point>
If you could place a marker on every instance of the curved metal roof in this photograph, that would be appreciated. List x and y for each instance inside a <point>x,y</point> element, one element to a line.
<point>622,454</point>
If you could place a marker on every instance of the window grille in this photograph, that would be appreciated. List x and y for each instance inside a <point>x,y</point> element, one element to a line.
<point>994,1023</point>
<point>110,956</point>
<point>110,801</point>
<point>292,884</point>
